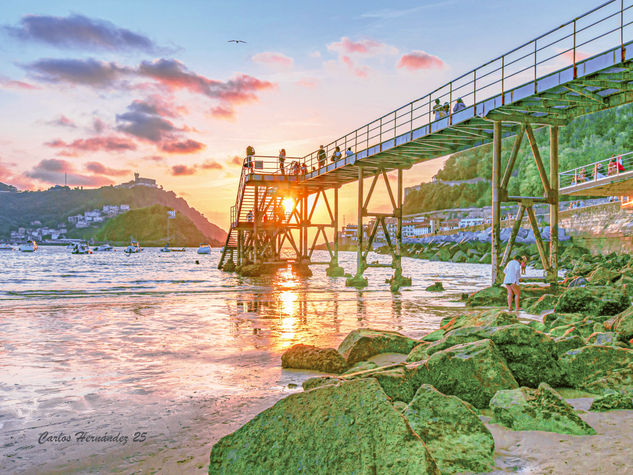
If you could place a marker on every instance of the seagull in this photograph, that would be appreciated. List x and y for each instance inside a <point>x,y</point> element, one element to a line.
<point>236,41</point>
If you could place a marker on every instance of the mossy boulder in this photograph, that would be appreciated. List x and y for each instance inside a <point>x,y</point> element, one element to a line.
<point>593,301</point>
<point>436,287</point>
<point>543,303</point>
<point>418,353</point>
<point>610,401</point>
<point>319,381</point>
<point>497,296</point>
<point>301,356</point>
<point>452,431</point>
<point>488,318</point>
<point>362,344</point>
<point>473,372</point>
<point>361,366</point>
<point>622,324</point>
<point>350,427</point>
<point>598,369</point>
<point>602,276</point>
<point>558,319</point>
<point>433,336</point>
<point>460,256</point>
<point>229,266</point>
<point>537,409</point>
<point>531,355</point>
<point>603,338</point>
<point>566,343</point>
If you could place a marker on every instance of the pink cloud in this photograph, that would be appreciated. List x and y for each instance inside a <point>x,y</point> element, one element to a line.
<point>101,169</point>
<point>357,70</point>
<point>365,47</point>
<point>211,165</point>
<point>92,144</point>
<point>184,146</point>
<point>182,170</point>
<point>55,171</point>
<point>225,112</point>
<point>7,83</point>
<point>272,58</point>
<point>237,160</point>
<point>420,60</point>
<point>308,83</point>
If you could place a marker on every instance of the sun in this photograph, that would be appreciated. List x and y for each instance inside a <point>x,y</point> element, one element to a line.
<point>288,204</point>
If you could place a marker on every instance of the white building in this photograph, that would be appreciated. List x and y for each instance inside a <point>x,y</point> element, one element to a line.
<point>466,222</point>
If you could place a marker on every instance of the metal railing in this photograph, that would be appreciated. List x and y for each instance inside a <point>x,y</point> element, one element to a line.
<point>601,171</point>
<point>491,85</point>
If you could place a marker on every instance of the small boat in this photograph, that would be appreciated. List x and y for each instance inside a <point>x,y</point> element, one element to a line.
<point>133,248</point>
<point>29,246</point>
<point>166,248</point>
<point>204,249</point>
<point>103,248</point>
<point>81,248</point>
<point>6,247</point>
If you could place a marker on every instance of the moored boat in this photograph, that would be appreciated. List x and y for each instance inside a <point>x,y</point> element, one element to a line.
<point>133,248</point>
<point>6,247</point>
<point>29,246</point>
<point>103,248</point>
<point>80,248</point>
<point>204,249</point>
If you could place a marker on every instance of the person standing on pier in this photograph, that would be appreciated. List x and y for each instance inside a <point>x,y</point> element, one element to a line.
<point>250,153</point>
<point>337,154</point>
<point>348,152</point>
<point>322,157</point>
<point>511,281</point>
<point>282,159</point>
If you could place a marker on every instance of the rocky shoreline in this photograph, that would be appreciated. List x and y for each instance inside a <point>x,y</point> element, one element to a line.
<point>437,410</point>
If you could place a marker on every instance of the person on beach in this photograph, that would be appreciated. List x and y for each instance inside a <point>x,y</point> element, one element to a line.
<point>282,159</point>
<point>321,156</point>
<point>511,281</point>
<point>524,261</point>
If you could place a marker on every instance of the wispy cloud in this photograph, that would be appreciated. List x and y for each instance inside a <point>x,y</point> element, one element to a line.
<point>182,170</point>
<point>274,59</point>
<point>92,144</point>
<point>420,60</point>
<point>78,31</point>
<point>55,171</point>
<point>63,121</point>
<point>366,47</point>
<point>391,13</point>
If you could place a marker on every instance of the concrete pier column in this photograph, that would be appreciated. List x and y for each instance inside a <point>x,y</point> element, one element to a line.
<point>496,201</point>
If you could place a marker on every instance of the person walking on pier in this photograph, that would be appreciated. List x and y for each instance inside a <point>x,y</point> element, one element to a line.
<point>337,154</point>
<point>511,282</point>
<point>438,108</point>
<point>282,159</point>
<point>459,105</point>
<point>322,157</point>
<point>348,152</point>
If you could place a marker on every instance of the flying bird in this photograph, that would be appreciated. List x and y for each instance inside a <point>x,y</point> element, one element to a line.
<point>236,41</point>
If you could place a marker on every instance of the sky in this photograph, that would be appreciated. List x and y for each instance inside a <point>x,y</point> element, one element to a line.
<point>100,90</point>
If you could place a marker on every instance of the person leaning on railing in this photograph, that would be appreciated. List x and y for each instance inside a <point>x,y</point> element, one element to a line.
<point>282,159</point>
<point>613,167</point>
<point>596,171</point>
<point>248,161</point>
<point>337,154</point>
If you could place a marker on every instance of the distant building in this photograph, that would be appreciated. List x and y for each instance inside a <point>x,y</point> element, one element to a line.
<point>466,222</point>
<point>124,208</point>
<point>139,181</point>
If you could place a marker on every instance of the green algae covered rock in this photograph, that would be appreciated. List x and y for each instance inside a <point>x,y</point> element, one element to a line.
<point>593,301</point>
<point>394,379</point>
<point>622,324</point>
<point>566,343</point>
<point>451,430</point>
<point>612,401</point>
<point>537,409</point>
<point>318,381</point>
<point>602,276</point>
<point>351,427</point>
<point>361,366</point>
<point>598,369</point>
<point>494,296</point>
<point>436,287</point>
<point>536,325</point>
<point>488,318</point>
<point>473,372</point>
<point>364,343</point>
<point>606,339</point>
<point>531,355</point>
<point>543,303</point>
<point>433,336</point>
<point>301,356</point>
<point>418,353</point>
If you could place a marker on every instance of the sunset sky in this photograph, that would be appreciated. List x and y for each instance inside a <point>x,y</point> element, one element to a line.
<point>102,89</point>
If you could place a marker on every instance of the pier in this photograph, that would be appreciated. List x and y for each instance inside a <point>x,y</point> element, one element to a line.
<point>579,68</point>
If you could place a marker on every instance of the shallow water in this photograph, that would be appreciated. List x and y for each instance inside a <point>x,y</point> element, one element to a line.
<point>109,343</point>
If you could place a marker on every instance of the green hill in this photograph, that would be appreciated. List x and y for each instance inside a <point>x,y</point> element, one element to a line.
<point>149,227</point>
<point>584,140</point>
<point>52,207</point>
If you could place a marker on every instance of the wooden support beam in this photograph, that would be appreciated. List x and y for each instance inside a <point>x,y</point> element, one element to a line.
<point>524,119</point>
<point>513,157</point>
<point>496,204</point>
<point>515,231</point>
<point>539,163</point>
<point>584,92</point>
<point>371,191</point>
<point>537,237</point>
<point>386,178</point>
<point>528,199</point>
<point>553,207</point>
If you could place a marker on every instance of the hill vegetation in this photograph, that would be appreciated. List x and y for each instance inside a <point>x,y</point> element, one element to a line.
<point>149,227</point>
<point>584,140</point>
<point>52,207</point>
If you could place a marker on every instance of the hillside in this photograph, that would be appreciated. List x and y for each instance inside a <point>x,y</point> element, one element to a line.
<point>584,140</point>
<point>53,206</point>
<point>149,227</point>
<point>5,187</point>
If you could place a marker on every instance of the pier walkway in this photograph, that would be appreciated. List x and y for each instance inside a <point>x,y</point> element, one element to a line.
<point>609,177</point>
<point>581,67</point>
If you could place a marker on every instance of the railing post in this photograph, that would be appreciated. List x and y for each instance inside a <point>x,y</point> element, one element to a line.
<point>503,90</point>
<point>450,103</point>
<point>574,52</point>
<point>535,49</point>
<point>475,90</point>
<point>622,52</point>
<point>411,123</point>
<point>380,135</point>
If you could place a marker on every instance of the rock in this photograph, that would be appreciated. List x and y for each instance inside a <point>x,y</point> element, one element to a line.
<point>229,266</point>
<point>544,302</point>
<point>537,409</point>
<point>493,318</point>
<point>566,343</point>
<point>622,324</point>
<point>318,381</point>
<point>361,366</point>
<point>335,271</point>
<point>301,356</point>
<point>497,296</point>
<point>451,430</point>
<point>400,406</point>
<point>598,369</point>
<point>606,339</point>
<point>593,301</point>
<point>602,276</point>
<point>357,281</point>
<point>418,353</point>
<point>557,319</point>
<point>350,427</point>
<point>436,287</point>
<point>611,401</point>
<point>459,256</point>
<point>531,355</point>
<point>433,336</point>
<point>362,344</point>
<point>473,372</point>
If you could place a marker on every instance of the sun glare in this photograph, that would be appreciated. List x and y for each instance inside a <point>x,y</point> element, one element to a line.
<point>288,204</point>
